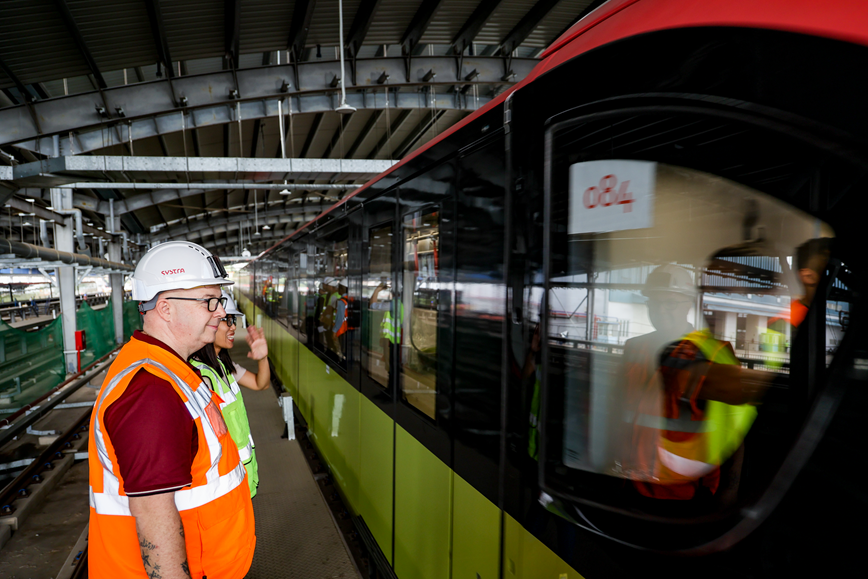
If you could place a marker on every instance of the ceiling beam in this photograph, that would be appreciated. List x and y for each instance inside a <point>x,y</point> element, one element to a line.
<point>416,30</point>
<point>75,31</point>
<point>155,15</point>
<point>337,136</point>
<point>474,24</point>
<point>427,122</point>
<point>197,226</point>
<point>396,126</point>
<point>232,30</point>
<point>196,150</point>
<point>299,27</point>
<point>361,24</point>
<point>311,134</point>
<point>526,25</point>
<point>365,133</point>
<point>233,239</point>
<point>25,94</point>
<point>152,108</point>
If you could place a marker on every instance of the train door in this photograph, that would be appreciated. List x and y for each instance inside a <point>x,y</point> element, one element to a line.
<point>423,372</point>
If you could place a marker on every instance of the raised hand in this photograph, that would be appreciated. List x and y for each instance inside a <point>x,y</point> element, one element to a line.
<point>257,343</point>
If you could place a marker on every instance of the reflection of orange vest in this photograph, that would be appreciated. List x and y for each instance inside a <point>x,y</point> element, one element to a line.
<point>215,508</point>
<point>345,325</point>
<point>798,312</point>
<point>679,444</point>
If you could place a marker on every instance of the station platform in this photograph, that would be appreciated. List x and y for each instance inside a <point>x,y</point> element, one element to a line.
<point>297,535</point>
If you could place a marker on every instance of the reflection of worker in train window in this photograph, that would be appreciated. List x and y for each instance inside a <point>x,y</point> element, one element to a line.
<point>323,314</point>
<point>341,317</point>
<point>687,397</point>
<point>390,326</point>
<point>811,259</point>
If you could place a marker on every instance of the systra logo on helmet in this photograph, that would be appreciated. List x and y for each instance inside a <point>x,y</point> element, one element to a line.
<point>173,271</point>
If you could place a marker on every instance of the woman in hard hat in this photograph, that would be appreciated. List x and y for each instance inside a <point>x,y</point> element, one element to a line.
<point>224,377</point>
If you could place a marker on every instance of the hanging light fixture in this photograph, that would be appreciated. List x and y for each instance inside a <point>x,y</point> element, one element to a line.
<point>344,108</point>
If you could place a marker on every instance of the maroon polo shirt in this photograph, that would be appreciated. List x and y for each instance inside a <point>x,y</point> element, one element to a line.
<point>153,433</point>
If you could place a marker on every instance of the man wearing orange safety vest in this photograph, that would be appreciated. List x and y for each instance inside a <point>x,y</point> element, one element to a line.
<point>688,400</point>
<point>811,259</point>
<point>168,493</point>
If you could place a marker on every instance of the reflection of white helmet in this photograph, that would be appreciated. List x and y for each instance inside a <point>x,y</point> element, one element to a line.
<point>330,281</point>
<point>175,265</point>
<point>670,278</point>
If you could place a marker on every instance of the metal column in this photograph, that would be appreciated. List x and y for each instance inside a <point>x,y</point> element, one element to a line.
<point>117,283</point>
<point>64,241</point>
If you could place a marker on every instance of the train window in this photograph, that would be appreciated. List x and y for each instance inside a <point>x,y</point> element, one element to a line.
<point>332,309</point>
<point>381,328</point>
<point>676,308</point>
<point>417,310</point>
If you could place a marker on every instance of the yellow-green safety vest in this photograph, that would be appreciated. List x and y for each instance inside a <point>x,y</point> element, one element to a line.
<point>727,425</point>
<point>391,330</point>
<point>235,416</point>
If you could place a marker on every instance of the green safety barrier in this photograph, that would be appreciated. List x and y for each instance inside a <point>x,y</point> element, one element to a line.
<point>132,319</point>
<point>99,331</point>
<point>31,364</point>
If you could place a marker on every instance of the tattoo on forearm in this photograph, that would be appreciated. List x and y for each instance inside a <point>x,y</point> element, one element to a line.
<point>152,571</point>
<point>184,565</point>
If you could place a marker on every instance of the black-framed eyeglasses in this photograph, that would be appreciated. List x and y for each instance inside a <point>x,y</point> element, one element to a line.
<point>230,320</point>
<point>212,302</point>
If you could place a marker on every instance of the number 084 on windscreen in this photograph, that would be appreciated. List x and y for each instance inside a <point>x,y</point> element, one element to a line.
<point>611,195</point>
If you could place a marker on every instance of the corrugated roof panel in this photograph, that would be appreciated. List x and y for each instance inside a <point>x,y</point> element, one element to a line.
<point>194,28</point>
<point>324,24</point>
<point>448,21</point>
<point>391,21</point>
<point>504,19</point>
<point>203,65</point>
<point>265,25</point>
<point>117,32</point>
<point>556,22</point>
<point>35,43</point>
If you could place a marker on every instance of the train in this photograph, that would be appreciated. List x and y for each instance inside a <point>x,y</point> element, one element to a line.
<point>459,333</point>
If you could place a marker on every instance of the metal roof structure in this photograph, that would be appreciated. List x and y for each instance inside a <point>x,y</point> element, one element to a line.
<point>129,94</point>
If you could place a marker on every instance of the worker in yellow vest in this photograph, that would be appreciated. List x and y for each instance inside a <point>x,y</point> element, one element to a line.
<point>225,377</point>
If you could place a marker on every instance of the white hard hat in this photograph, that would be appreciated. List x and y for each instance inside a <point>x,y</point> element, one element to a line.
<point>330,281</point>
<point>231,307</point>
<point>670,278</point>
<point>175,265</point>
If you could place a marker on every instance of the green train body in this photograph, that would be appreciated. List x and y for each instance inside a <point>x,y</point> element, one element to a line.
<point>463,334</point>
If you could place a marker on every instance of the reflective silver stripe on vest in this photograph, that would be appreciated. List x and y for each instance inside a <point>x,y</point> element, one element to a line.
<point>246,453</point>
<point>111,502</point>
<point>671,424</point>
<point>197,496</point>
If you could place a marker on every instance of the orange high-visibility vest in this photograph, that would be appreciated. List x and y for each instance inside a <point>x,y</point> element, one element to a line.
<point>345,324</point>
<point>215,508</point>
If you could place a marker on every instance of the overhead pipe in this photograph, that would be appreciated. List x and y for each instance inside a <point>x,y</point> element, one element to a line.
<point>126,249</point>
<point>207,186</point>
<point>43,232</point>
<point>30,251</point>
<point>79,227</point>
